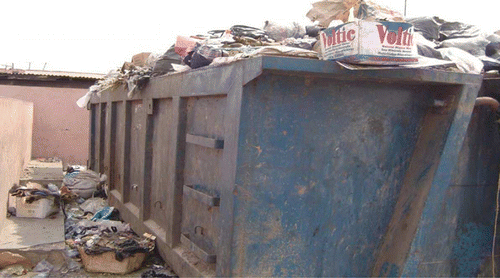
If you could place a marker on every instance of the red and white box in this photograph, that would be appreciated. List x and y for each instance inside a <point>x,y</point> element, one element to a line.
<point>370,43</point>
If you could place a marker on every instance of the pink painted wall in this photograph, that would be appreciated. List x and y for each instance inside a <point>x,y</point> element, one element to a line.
<point>60,127</point>
<point>16,122</point>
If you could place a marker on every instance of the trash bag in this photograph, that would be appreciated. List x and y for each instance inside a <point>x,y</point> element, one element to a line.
<point>427,26</point>
<point>490,63</point>
<point>202,56</point>
<point>426,51</point>
<point>453,30</point>
<point>304,43</point>
<point>493,50</point>
<point>248,31</point>
<point>83,183</point>
<point>280,32</point>
<point>436,29</point>
<point>94,205</point>
<point>83,101</point>
<point>313,30</point>
<point>137,82</point>
<point>464,60</point>
<point>493,38</point>
<point>475,46</point>
<point>425,47</point>
<point>165,63</point>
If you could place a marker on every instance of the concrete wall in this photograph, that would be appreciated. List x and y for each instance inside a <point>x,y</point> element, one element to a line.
<point>16,122</point>
<point>60,127</point>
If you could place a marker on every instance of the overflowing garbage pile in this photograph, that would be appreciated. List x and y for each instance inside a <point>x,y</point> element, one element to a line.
<point>463,46</point>
<point>97,240</point>
<point>83,183</point>
<point>472,50</point>
<point>95,234</point>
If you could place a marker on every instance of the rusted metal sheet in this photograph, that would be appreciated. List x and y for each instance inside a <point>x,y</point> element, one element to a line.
<point>284,166</point>
<point>455,235</point>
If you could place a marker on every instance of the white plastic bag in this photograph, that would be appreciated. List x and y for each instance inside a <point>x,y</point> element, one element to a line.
<point>93,205</point>
<point>464,60</point>
<point>83,101</point>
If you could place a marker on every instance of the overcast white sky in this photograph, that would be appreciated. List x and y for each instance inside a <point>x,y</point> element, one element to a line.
<point>98,36</point>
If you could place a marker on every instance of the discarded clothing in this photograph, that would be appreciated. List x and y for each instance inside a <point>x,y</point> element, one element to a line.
<point>123,244</point>
<point>466,62</point>
<point>87,227</point>
<point>138,81</point>
<point>490,63</point>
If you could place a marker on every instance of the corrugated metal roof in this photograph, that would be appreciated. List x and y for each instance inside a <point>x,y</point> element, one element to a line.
<point>81,75</point>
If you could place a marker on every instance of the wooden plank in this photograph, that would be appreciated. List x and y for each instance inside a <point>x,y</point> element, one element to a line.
<point>205,141</point>
<point>212,201</point>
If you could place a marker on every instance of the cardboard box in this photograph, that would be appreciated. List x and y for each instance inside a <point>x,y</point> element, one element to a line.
<point>38,209</point>
<point>370,43</point>
<point>107,263</point>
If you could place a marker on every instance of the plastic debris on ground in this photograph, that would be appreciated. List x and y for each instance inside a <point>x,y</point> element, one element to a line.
<point>158,271</point>
<point>115,252</point>
<point>43,269</point>
<point>98,241</point>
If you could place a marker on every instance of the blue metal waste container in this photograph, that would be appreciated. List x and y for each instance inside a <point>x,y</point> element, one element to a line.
<point>275,166</point>
<point>456,237</point>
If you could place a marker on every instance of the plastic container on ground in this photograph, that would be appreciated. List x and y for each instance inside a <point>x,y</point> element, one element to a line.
<point>107,263</point>
<point>277,166</point>
<point>38,209</point>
